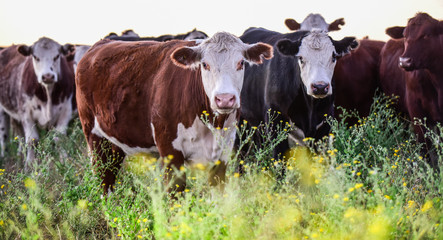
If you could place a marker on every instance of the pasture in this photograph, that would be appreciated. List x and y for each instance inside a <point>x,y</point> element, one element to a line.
<point>366,181</point>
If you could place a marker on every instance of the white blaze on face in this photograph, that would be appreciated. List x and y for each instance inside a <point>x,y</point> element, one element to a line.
<point>221,59</point>
<point>222,69</point>
<point>46,60</point>
<point>317,60</point>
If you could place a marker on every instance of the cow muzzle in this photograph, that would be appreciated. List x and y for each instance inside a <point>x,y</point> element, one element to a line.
<point>405,63</point>
<point>48,78</point>
<point>320,89</point>
<point>225,102</point>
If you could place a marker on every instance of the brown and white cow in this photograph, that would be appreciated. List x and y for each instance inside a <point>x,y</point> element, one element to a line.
<point>142,95</point>
<point>314,20</point>
<point>417,50</point>
<point>37,88</point>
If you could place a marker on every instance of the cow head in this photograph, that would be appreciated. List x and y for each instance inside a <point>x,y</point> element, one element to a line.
<point>422,37</point>
<point>317,54</point>
<point>195,34</point>
<point>221,59</point>
<point>314,21</point>
<point>46,58</point>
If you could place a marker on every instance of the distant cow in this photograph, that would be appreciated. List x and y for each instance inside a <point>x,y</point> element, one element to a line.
<point>80,51</point>
<point>142,95</point>
<point>37,88</point>
<point>296,82</point>
<point>192,35</point>
<point>419,54</point>
<point>314,20</point>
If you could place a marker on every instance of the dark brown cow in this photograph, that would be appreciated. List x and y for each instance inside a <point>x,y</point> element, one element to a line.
<point>36,88</point>
<point>142,95</point>
<point>419,54</point>
<point>356,78</point>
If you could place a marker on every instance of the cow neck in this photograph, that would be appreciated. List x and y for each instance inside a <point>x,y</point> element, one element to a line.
<point>316,108</point>
<point>52,94</point>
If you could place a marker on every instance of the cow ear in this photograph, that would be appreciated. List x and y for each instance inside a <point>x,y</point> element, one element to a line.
<point>24,50</point>
<point>292,24</point>
<point>186,57</point>
<point>395,32</point>
<point>67,49</point>
<point>335,25</point>
<point>288,47</point>
<point>345,45</point>
<point>255,52</point>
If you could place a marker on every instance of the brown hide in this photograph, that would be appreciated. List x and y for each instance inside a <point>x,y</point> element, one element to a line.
<point>356,77</point>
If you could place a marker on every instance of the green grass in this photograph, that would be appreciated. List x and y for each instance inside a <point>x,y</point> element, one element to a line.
<point>367,181</point>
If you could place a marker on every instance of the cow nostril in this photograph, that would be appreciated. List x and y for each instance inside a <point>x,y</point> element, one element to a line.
<point>320,89</point>
<point>225,100</point>
<point>48,78</point>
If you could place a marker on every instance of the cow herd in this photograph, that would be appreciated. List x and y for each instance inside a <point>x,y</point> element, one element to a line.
<point>141,94</point>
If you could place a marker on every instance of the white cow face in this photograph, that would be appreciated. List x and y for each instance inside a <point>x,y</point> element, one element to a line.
<point>221,59</point>
<point>317,54</point>
<point>46,55</point>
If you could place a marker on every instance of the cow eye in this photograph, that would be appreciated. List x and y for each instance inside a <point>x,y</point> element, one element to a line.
<point>240,65</point>
<point>36,58</point>
<point>206,66</point>
<point>301,61</point>
<point>334,57</point>
<point>56,57</point>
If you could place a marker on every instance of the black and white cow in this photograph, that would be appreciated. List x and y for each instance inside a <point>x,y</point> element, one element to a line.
<point>296,82</point>
<point>37,88</point>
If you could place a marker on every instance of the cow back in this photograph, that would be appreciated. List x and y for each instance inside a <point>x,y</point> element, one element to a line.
<point>356,77</point>
<point>129,85</point>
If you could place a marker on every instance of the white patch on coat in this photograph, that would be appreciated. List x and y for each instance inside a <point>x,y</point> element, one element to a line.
<point>316,60</point>
<point>201,143</point>
<point>97,130</point>
<point>46,114</point>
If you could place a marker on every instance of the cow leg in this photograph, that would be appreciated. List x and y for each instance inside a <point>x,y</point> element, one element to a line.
<point>107,159</point>
<point>62,125</point>
<point>4,131</point>
<point>31,139</point>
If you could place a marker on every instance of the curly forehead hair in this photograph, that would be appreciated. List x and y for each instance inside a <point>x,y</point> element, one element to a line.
<point>222,41</point>
<point>46,43</point>
<point>315,38</point>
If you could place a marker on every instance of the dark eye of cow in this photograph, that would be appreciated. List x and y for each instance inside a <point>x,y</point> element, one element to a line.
<point>240,65</point>
<point>334,57</point>
<point>301,61</point>
<point>206,66</point>
<point>56,57</point>
<point>36,58</point>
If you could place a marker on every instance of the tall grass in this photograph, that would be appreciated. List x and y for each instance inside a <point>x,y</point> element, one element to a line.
<point>366,181</point>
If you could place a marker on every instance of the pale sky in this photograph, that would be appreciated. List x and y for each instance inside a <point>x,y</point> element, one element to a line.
<point>87,21</point>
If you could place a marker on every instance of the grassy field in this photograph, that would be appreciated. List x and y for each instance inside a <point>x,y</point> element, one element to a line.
<point>367,181</point>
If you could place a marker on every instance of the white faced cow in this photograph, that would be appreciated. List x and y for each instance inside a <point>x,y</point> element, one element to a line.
<point>37,88</point>
<point>155,95</point>
<point>297,82</point>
